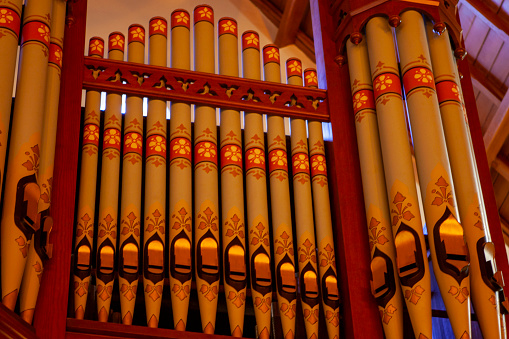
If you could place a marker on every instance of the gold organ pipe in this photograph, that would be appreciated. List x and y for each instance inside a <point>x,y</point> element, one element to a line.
<point>87,191</point>
<point>385,281</point>
<point>41,249</point>
<point>10,12</point>
<point>405,218</point>
<point>306,245</point>
<point>109,188</point>
<point>321,204</point>
<point>286,284</point>
<point>155,182</point>
<point>20,217</point>
<point>256,195</point>
<point>206,193</point>
<point>484,279</point>
<point>232,187</point>
<point>449,253</point>
<point>180,181</point>
<point>130,201</point>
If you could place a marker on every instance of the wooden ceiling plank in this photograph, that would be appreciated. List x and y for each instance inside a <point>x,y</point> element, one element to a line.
<point>489,17</point>
<point>476,37</point>
<point>501,165</point>
<point>294,13</point>
<point>269,10</point>
<point>489,51</point>
<point>497,130</point>
<point>479,73</point>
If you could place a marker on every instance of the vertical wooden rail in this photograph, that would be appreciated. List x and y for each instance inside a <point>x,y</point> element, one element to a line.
<point>51,313</point>
<point>361,317</point>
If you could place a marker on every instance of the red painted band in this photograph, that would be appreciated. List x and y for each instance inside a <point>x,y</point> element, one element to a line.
<point>278,160</point>
<point>116,41</point>
<point>96,47</point>
<point>310,77</point>
<point>156,145</point>
<point>10,19</point>
<point>363,99</point>
<point>250,39</point>
<point>133,143</point>
<point>180,18</point>
<point>300,163</point>
<point>111,139</point>
<point>205,151</point>
<point>418,77</point>
<point>55,55</point>
<point>159,26</point>
<point>231,155</point>
<point>293,67</point>
<point>36,31</point>
<point>255,158</point>
<point>386,83</point>
<point>203,13</point>
<point>448,91</point>
<point>180,148</point>
<point>227,26</point>
<point>91,134</point>
<point>318,165</point>
<point>136,34</point>
<point>270,54</point>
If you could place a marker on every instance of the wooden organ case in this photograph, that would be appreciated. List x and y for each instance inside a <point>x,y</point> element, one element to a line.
<point>340,28</point>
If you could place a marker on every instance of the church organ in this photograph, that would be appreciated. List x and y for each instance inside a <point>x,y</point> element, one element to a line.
<point>270,198</point>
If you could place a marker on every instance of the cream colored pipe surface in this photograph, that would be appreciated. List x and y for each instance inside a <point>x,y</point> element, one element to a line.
<point>108,192</point>
<point>282,234</point>
<point>41,249</point>
<point>385,289</point>
<point>87,191</point>
<point>448,251</point>
<point>154,228</point>
<point>180,181</point>
<point>405,219</point>
<point>206,194</point>
<point>256,195</point>
<point>130,201</point>
<point>10,12</point>
<point>232,187</point>
<point>20,217</point>
<point>482,261</point>
<point>303,206</point>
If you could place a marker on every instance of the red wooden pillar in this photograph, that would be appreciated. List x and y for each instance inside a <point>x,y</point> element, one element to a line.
<point>360,312</point>
<point>484,174</point>
<point>51,312</point>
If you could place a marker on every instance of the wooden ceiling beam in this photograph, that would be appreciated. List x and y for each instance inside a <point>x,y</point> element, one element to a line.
<point>294,13</point>
<point>302,41</point>
<point>501,165</point>
<point>479,73</point>
<point>497,130</point>
<point>491,18</point>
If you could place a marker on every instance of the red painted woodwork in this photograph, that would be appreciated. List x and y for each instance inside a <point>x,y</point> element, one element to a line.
<point>205,88</point>
<point>51,310</point>
<point>484,175</point>
<point>11,325</point>
<point>360,312</point>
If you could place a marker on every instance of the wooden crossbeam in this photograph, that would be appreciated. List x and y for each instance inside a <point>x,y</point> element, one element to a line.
<point>498,130</point>
<point>302,41</point>
<point>479,73</point>
<point>294,13</point>
<point>491,18</point>
<point>501,165</point>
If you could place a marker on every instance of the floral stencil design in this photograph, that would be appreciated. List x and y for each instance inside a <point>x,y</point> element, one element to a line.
<point>181,291</point>
<point>414,295</point>
<point>387,313</point>
<point>443,195</point>
<point>375,235</point>
<point>156,223</point>
<point>132,225</point>
<point>401,211</point>
<point>182,220</point>
<point>460,294</point>
<point>210,292</point>
<point>208,220</point>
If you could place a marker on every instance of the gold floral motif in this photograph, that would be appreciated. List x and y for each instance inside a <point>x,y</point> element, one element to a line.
<point>207,150</point>
<point>182,147</point>
<point>424,75</point>
<point>295,66</point>
<point>229,26</point>
<point>6,16</point>
<point>359,100</point>
<point>252,39</point>
<point>159,25</point>
<point>182,17</point>
<point>460,294</point>
<point>138,33</point>
<point>414,295</point>
<point>383,82</point>
<point>273,53</point>
<point>43,31</point>
<point>205,13</point>
<point>117,40</point>
<point>311,78</point>
<point>157,144</point>
<point>96,45</point>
